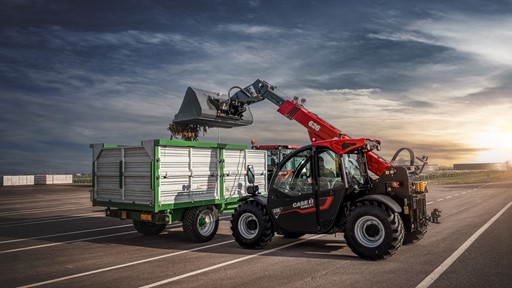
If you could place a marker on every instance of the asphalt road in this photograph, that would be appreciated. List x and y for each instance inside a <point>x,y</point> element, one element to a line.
<point>51,236</point>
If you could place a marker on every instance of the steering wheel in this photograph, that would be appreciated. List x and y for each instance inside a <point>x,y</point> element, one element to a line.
<point>302,185</point>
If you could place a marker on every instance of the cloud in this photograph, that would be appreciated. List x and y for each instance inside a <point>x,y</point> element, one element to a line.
<point>256,30</point>
<point>407,76</point>
<point>480,36</point>
<point>402,36</point>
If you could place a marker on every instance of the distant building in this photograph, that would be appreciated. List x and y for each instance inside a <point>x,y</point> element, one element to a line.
<point>481,166</point>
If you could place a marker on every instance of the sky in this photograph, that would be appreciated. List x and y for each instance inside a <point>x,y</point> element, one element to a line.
<point>435,76</point>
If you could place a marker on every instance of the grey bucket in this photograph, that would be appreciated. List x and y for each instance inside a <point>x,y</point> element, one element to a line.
<point>197,109</point>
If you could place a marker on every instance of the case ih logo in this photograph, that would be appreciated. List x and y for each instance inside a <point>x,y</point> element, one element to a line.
<point>314,125</point>
<point>304,204</point>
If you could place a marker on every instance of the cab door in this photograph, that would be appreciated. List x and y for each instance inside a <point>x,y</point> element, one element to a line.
<point>307,190</point>
<point>330,187</point>
<point>292,199</point>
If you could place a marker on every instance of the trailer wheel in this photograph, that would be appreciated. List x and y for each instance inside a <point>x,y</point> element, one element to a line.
<point>373,231</point>
<point>148,228</point>
<point>414,236</point>
<point>251,225</point>
<point>200,224</point>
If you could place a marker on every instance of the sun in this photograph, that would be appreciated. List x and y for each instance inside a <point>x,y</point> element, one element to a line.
<point>494,146</point>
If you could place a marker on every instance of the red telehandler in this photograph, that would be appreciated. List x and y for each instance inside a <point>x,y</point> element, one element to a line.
<point>337,183</point>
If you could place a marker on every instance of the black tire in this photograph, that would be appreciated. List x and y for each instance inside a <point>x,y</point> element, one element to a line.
<point>200,224</point>
<point>414,236</point>
<point>251,225</point>
<point>373,231</point>
<point>292,235</point>
<point>148,228</point>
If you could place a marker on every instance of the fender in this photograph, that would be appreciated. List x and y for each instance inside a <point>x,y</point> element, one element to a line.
<point>386,200</point>
<point>262,200</point>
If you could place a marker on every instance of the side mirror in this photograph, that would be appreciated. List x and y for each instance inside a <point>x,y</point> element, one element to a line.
<point>250,174</point>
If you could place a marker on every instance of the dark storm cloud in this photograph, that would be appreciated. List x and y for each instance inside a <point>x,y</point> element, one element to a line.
<point>80,72</point>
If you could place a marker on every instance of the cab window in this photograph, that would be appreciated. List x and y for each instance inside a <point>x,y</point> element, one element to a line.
<point>329,175</point>
<point>294,176</point>
<point>353,168</point>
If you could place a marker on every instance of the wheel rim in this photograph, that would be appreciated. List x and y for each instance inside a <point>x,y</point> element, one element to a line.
<point>248,226</point>
<point>206,222</point>
<point>369,231</point>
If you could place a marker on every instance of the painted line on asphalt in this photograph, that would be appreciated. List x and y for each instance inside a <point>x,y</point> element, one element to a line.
<point>124,265</point>
<point>76,240</point>
<point>46,220</point>
<point>448,197</point>
<point>64,242</point>
<point>63,234</point>
<point>448,262</point>
<point>428,203</point>
<point>440,199</point>
<point>226,263</point>
<point>82,231</point>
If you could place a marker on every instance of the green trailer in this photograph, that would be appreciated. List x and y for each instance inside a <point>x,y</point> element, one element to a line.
<point>165,181</point>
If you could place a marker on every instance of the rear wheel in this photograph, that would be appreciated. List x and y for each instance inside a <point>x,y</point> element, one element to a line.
<point>200,224</point>
<point>251,225</point>
<point>148,228</point>
<point>373,231</point>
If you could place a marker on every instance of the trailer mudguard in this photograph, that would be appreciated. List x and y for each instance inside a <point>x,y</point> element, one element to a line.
<point>386,200</point>
<point>258,198</point>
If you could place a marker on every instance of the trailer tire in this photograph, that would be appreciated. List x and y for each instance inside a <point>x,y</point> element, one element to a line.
<point>200,224</point>
<point>251,225</point>
<point>414,236</point>
<point>148,228</point>
<point>373,231</point>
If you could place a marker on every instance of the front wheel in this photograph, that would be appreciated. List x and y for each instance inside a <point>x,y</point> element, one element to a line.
<point>251,225</point>
<point>373,231</point>
<point>200,224</point>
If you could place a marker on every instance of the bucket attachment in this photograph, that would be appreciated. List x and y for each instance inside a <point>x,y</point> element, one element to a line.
<point>206,108</point>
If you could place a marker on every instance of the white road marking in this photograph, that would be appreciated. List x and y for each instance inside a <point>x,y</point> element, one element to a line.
<point>463,193</point>
<point>77,240</point>
<point>225,263</point>
<point>439,270</point>
<point>440,199</point>
<point>64,242</point>
<point>53,219</point>
<point>428,203</point>
<point>457,194</point>
<point>63,234</point>
<point>124,265</point>
<point>448,197</point>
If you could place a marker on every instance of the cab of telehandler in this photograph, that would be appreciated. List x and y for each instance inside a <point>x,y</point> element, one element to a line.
<point>310,199</point>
